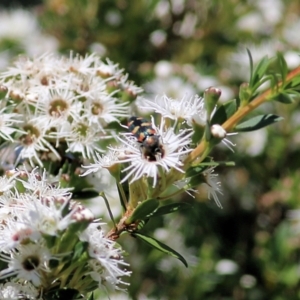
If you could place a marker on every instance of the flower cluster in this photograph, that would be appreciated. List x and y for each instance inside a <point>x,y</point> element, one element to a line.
<point>56,105</point>
<point>50,242</point>
<point>155,155</point>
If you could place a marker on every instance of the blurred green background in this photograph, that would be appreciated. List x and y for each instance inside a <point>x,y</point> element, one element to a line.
<point>250,249</point>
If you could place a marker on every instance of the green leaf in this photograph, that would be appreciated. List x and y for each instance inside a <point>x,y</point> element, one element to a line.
<point>198,169</point>
<point>143,210</point>
<point>123,191</point>
<point>251,63</point>
<point>284,98</point>
<point>91,296</point>
<point>80,248</point>
<point>160,246</point>
<point>295,81</point>
<point>260,69</point>
<point>257,122</point>
<point>293,93</point>
<point>169,208</point>
<point>282,66</point>
<point>272,77</point>
<point>224,112</point>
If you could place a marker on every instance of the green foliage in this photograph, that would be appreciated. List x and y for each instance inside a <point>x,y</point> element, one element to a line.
<point>160,246</point>
<point>169,208</point>
<point>224,112</point>
<point>143,210</point>
<point>257,122</point>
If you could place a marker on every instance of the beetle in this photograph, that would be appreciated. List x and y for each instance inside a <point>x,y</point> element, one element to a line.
<point>147,136</point>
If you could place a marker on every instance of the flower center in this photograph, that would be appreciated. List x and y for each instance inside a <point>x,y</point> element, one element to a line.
<point>32,134</point>
<point>31,263</point>
<point>97,108</point>
<point>57,107</point>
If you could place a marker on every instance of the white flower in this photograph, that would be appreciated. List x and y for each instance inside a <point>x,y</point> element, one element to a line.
<point>212,187</point>
<point>174,109</point>
<point>129,86</point>
<point>157,153</point>
<point>184,184</point>
<point>15,290</point>
<point>47,217</point>
<point>27,262</point>
<point>6,184</point>
<point>63,100</point>
<point>14,233</point>
<point>33,141</point>
<point>84,139</point>
<point>102,108</point>
<point>108,69</point>
<point>8,122</point>
<point>219,132</point>
<point>105,161</point>
<point>55,107</point>
<point>39,185</point>
<point>84,65</point>
<point>107,261</point>
<point>40,209</point>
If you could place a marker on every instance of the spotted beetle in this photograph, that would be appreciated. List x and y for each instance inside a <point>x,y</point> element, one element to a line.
<point>146,135</point>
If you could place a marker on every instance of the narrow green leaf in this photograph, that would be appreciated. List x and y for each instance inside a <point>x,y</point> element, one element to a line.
<point>261,69</point>
<point>80,248</point>
<point>251,65</point>
<point>272,77</point>
<point>123,193</point>
<point>198,169</point>
<point>219,163</point>
<point>169,208</point>
<point>143,210</point>
<point>282,66</point>
<point>284,98</point>
<point>91,296</point>
<point>295,81</point>
<point>160,246</point>
<point>292,93</point>
<point>223,112</point>
<point>257,122</point>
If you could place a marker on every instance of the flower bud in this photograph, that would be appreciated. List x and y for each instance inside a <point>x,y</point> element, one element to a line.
<point>3,91</point>
<point>218,131</point>
<point>211,98</point>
